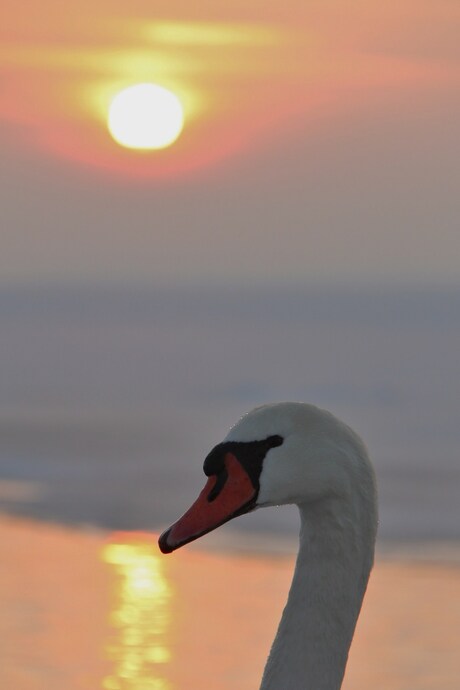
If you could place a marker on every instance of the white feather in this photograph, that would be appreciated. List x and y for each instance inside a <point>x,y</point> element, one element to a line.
<point>323,467</point>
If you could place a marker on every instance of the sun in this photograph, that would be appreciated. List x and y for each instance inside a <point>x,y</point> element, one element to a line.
<point>145,116</point>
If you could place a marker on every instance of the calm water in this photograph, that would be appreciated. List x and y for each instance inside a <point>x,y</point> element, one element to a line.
<point>137,620</point>
<point>110,400</point>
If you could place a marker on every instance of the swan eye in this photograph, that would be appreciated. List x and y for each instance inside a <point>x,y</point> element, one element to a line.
<point>250,454</point>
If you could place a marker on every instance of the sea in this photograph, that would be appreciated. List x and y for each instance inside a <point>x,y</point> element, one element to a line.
<point>110,398</point>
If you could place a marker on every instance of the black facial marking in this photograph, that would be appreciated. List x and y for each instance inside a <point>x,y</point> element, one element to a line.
<point>221,478</point>
<point>250,454</point>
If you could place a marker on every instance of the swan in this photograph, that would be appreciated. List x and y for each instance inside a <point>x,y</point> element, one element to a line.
<point>297,453</point>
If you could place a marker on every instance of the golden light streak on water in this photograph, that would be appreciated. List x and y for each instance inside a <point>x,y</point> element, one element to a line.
<point>218,617</point>
<point>140,618</point>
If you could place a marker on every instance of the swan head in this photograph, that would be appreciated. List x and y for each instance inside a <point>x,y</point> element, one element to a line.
<point>276,454</point>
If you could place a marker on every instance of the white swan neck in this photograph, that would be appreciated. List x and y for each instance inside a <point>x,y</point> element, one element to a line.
<point>310,649</point>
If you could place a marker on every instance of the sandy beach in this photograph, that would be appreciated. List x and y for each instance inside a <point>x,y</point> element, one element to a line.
<point>85,610</point>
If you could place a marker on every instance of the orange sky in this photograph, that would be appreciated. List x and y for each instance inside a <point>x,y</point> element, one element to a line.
<point>320,143</point>
<point>243,80</point>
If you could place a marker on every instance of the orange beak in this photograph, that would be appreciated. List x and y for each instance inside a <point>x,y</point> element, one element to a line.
<point>217,503</point>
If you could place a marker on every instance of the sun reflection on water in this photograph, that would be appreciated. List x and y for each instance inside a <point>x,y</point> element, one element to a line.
<point>141,616</point>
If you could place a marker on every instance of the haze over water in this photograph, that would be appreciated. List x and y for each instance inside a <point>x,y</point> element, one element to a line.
<point>111,399</point>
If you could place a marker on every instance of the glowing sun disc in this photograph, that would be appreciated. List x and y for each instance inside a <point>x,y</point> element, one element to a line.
<point>145,116</point>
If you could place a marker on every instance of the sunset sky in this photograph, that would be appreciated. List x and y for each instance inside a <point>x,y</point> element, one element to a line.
<point>321,143</point>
